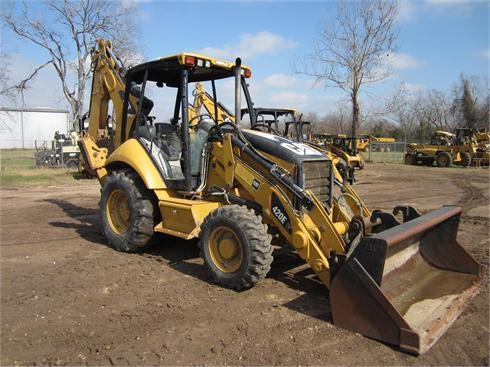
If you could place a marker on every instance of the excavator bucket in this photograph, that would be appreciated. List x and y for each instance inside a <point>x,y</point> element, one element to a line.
<point>406,285</point>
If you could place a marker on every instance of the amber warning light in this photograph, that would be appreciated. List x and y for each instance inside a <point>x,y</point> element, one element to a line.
<point>190,60</point>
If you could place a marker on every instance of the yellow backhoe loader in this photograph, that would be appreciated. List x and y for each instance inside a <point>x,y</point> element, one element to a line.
<point>237,190</point>
<point>480,141</point>
<point>213,108</point>
<point>368,142</point>
<point>279,121</point>
<point>341,145</point>
<point>286,122</point>
<point>264,119</point>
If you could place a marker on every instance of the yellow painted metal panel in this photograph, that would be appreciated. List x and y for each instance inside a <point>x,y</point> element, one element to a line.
<point>133,154</point>
<point>183,218</point>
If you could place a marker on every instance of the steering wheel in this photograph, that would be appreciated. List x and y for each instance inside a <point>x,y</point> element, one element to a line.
<point>200,118</point>
<point>266,126</point>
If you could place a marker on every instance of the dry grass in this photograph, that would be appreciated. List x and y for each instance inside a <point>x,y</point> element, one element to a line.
<point>18,168</point>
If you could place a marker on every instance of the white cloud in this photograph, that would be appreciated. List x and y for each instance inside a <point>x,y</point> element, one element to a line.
<point>485,54</point>
<point>132,4</point>
<point>288,99</point>
<point>407,11</point>
<point>455,7</point>
<point>413,88</point>
<point>403,61</point>
<point>410,10</point>
<point>280,81</point>
<point>250,45</point>
<point>448,2</point>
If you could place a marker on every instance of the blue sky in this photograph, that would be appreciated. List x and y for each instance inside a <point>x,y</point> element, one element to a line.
<point>438,41</point>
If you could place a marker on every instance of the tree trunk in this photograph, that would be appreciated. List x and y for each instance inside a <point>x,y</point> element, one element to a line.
<point>469,105</point>
<point>355,119</point>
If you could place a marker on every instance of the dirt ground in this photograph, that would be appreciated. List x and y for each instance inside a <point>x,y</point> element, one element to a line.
<point>67,298</point>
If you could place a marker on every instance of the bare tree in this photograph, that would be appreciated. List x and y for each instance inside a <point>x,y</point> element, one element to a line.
<point>5,83</point>
<point>336,122</point>
<point>431,109</point>
<point>421,113</point>
<point>470,106</point>
<point>311,119</point>
<point>352,52</point>
<point>400,106</point>
<point>67,32</point>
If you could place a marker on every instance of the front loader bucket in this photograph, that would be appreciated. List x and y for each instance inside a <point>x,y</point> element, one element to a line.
<point>406,285</point>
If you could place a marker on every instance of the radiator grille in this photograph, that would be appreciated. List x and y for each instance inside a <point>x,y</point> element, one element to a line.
<point>317,177</point>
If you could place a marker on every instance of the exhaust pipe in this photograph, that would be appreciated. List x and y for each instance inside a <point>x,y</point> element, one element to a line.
<point>406,285</point>
<point>238,86</point>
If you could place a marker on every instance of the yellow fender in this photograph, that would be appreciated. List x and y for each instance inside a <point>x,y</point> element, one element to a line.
<point>134,155</point>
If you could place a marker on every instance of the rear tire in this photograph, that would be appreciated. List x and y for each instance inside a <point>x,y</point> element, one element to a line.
<point>236,247</point>
<point>444,159</point>
<point>127,212</point>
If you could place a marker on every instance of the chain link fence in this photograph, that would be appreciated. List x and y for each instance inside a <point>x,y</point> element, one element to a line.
<point>385,153</point>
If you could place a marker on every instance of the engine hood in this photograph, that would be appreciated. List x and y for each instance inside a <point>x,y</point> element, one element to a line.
<point>283,148</point>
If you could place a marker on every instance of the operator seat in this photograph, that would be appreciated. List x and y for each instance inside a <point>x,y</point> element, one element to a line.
<point>143,128</point>
<point>169,137</point>
<point>146,104</point>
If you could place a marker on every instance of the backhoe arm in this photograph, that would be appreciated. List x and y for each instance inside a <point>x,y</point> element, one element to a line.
<point>217,111</point>
<point>107,85</point>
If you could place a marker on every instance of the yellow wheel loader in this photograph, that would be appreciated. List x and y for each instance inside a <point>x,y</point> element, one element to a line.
<point>444,150</point>
<point>401,281</point>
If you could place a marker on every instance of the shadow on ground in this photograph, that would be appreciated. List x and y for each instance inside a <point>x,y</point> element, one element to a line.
<point>183,256</point>
<point>85,221</point>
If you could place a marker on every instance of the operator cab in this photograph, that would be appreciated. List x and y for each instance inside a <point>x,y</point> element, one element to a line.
<point>442,138</point>
<point>176,144</point>
<point>277,121</point>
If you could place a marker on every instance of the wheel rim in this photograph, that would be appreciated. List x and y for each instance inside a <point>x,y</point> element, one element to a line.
<point>443,160</point>
<point>226,249</point>
<point>118,211</point>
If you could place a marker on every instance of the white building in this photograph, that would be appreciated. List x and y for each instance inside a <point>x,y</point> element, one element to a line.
<point>26,128</point>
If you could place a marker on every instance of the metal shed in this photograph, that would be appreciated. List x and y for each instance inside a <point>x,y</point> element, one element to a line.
<point>26,128</point>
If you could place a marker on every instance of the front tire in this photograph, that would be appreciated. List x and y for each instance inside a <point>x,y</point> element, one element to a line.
<point>444,159</point>
<point>410,159</point>
<point>71,164</point>
<point>127,212</point>
<point>465,159</point>
<point>236,247</point>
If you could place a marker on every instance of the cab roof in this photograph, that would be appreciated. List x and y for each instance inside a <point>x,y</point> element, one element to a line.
<point>444,133</point>
<point>201,68</point>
